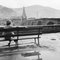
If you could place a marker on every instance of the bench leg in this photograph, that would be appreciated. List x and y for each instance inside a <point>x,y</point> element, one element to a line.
<point>16,43</point>
<point>38,40</point>
<point>35,40</point>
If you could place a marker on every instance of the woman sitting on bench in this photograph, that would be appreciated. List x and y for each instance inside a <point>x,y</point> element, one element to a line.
<point>8,34</point>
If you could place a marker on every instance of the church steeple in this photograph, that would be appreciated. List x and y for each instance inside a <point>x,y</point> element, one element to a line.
<point>24,17</point>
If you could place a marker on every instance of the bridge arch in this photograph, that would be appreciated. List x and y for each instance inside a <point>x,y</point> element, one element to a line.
<point>39,23</point>
<point>50,23</point>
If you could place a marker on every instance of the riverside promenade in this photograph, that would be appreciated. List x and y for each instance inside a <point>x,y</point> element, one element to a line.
<point>49,50</point>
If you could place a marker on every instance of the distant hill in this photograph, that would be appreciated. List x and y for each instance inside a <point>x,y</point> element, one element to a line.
<point>36,11</point>
<point>40,12</point>
<point>6,12</point>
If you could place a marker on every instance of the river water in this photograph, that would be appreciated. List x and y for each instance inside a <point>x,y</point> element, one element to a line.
<point>52,41</point>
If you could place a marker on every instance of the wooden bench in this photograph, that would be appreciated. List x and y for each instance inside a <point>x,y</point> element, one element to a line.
<point>29,31</point>
<point>21,31</point>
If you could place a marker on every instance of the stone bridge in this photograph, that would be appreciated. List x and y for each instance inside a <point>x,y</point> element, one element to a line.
<point>42,21</point>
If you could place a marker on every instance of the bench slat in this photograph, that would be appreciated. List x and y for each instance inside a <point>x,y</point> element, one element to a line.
<point>20,39</point>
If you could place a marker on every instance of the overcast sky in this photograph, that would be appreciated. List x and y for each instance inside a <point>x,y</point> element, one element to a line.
<point>20,3</point>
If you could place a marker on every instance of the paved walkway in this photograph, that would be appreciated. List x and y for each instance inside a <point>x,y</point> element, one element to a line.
<point>50,49</point>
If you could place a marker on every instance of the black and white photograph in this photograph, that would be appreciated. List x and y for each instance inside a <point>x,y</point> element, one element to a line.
<point>29,29</point>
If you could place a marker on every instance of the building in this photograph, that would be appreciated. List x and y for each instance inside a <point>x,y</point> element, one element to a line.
<point>24,17</point>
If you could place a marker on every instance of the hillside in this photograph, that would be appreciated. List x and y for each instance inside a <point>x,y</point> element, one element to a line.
<point>38,11</point>
<point>6,12</point>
